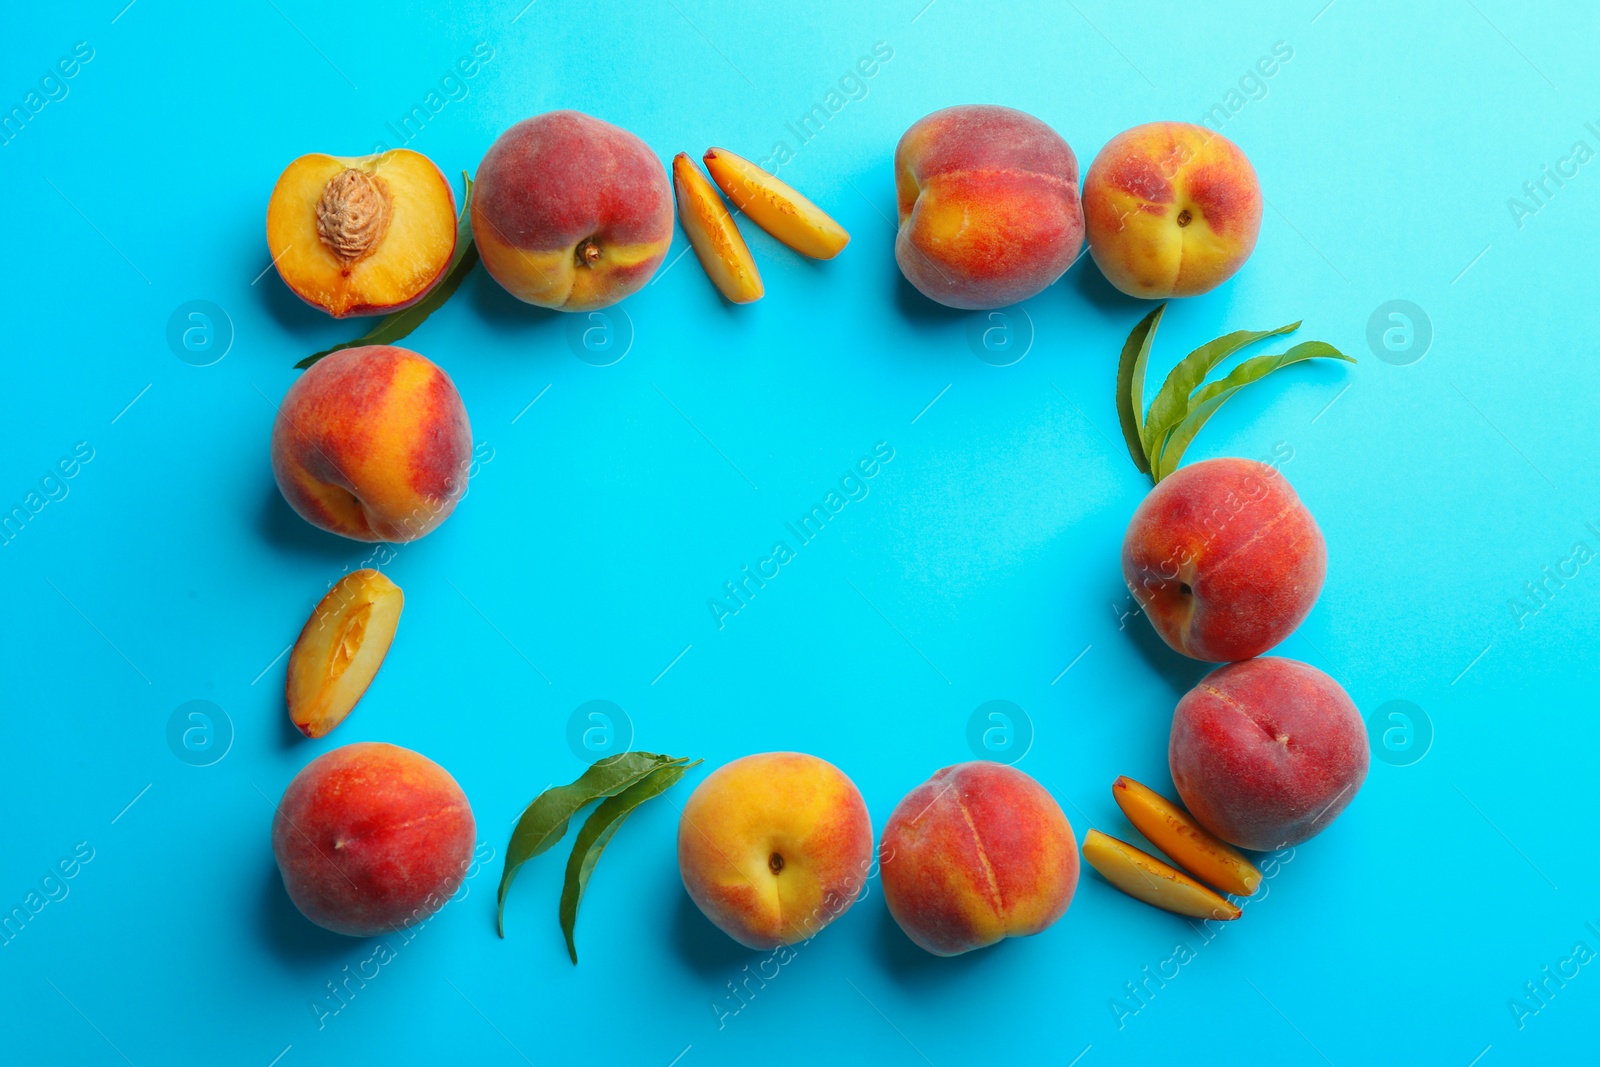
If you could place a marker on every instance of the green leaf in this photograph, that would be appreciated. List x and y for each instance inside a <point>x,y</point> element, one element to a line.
<point>393,327</point>
<point>544,822</point>
<point>1206,401</point>
<point>1130,385</point>
<point>1172,403</point>
<point>596,834</point>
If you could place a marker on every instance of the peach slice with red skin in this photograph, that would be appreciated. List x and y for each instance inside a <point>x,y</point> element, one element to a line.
<point>362,235</point>
<point>1143,877</point>
<point>775,207</point>
<point>1190,845</point>
<point>340,650</point>
<point>715,237</point>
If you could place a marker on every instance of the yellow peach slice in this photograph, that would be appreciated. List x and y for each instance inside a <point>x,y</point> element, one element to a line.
<point>1143,877</point>
<point>776,207</point>
<point>340,650</point>
<point>717,243</point>
<point>1191,846</point>
<point>362,235</point>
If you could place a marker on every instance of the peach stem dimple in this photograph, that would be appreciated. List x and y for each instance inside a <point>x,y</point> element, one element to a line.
<point>1184,217</point>
<point>775,863</point>
<point>588,252</point>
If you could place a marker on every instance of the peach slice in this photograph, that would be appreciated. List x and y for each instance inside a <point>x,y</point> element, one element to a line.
<point>776,207</point>
<point>1194,848</point>
<point>1143,877</point>
<point>716,239</point>
<point>362,235</point>
<point>340,650</point>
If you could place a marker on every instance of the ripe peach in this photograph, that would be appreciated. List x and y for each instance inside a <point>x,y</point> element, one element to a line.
<point>977,853</point>
<point>1172,209</point>
<point>989,211</point>
<point>1224,559</point>
<point>372,443</point>
<point>362,236</point>
<point>1266,753</point>
<point>570,212</point>
<point>774,847</point>
<point>371,838</point>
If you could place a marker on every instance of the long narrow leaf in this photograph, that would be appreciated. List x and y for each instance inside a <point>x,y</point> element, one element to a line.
<point>596,834</point>
<point>1130,385</point>
<point>1172,402</point>
<point>1213,396</point>
<point>544,822</point>
<point>393,327</point>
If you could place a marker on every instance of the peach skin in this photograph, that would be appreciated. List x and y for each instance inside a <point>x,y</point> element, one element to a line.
<point>988,201</point>
<point>775,207</point>
<point>977,853</point>
<point>570,212</point>
<point>1143,877</point>
<point>340,649</point>
<point>1191,846</point>
<point>371,838</point>
<point>774,847</point>
<point>1266,753</point>
<point>718,245</point>
<point>1224,559</point>
<point>362,235</point>
<point>372,443</point>
<point>1172,209</point>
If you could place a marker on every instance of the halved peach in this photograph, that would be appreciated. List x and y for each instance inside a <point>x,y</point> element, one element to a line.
<point>776,207</point>
<point>1192,846</point>
<point>1143,877</point>
<point>362,235</point>
<point>340,650</point>
<point>711,229</point>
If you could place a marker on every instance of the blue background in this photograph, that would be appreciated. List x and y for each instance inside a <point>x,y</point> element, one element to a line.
<point>982,564</point>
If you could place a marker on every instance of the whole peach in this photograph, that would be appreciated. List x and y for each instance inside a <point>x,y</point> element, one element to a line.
<point>1172,209</point>
<point>977,853</point>
<point>372,443</point>
<point>371,838</point>
<point>989,211</point>
<point>1266,753</point>
<point>1224,559</point>
<point>774,847</point>
<point>570,212</point>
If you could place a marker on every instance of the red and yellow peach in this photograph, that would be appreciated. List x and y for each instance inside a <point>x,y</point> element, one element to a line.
<point>570,212</point>
<point>371,838</point>
<point>1267,752</point>
<point>372,443</point>
<point>1224,559</point>
<point>775,846</point>
<point>977,853</point>
<point>1172,209</point>
<point>988,201</point>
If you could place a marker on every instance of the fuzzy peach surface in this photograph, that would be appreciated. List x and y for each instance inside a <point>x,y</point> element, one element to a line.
<point>988,205</point>
<point>774,846</point>
<point>372,837</point>
<point>570,212</point>
<point>372,443</point>
<point>1266,753</point>
<point>1224,559</point>
<point>977,853</point>
<point>1172,209</point>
